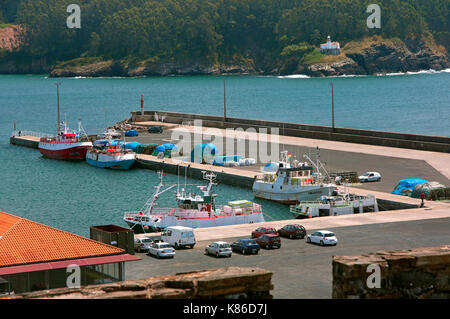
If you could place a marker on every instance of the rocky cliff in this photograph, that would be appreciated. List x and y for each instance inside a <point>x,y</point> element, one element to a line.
<point>366,57</point>
<point>380,57</point>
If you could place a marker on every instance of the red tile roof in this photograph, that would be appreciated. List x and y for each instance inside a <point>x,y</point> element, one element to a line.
<point>23,241</point>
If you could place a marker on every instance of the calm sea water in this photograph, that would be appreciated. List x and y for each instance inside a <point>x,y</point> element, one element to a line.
<point>73,196</point>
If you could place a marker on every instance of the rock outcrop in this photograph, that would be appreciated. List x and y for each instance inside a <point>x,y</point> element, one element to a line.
<point>381,58</point>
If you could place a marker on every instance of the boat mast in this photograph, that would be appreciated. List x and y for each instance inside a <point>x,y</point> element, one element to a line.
<point>57,107</point>
<point>148,207</point>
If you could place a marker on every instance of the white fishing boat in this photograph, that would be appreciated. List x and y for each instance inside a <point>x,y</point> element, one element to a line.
<point>193,210</point>
<point>291,183</point>
<point>335,205</point>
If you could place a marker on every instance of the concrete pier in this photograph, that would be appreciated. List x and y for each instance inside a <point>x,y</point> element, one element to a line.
<point>394,163</point>
<point>351,135</point>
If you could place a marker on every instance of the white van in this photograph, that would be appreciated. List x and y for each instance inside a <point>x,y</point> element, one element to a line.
<point>179,236</point>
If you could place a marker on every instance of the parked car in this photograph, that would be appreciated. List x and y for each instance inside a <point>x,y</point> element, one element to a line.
<point>263,230</point>
<point>179,236</point>
<point>132,133</point>
<point>370,177</point>
<point>322,237</point>
<point>245,246</point>
<point>218,248</point>
<point>269,241</point>
<point>110,133</point>
<point>142,244</point>
<point>292,231</point>
<point>161,249</point>
<point>155,129</point>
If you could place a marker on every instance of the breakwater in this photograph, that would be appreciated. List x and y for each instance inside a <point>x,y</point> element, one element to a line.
<point>359,136</point>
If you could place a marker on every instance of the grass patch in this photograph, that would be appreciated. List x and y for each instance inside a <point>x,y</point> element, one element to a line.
<point>5,25</point>
<point>313,57</point>
<point>79,62</point>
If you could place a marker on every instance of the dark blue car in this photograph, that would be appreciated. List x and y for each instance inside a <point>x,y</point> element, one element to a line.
<point>132,133</point>
<point>245,246</point>
<point>155,129</point>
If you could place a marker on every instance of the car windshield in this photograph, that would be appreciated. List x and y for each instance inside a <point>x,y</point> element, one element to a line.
<point>147,240</point>
<point>164,246</point>
<point>366,174</point>
<point>328,235</point>
<point>224,246</point>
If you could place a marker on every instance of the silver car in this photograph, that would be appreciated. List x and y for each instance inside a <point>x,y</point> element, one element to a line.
<point>218,248</point>
<point>142,244</point>
<point>161,249</point>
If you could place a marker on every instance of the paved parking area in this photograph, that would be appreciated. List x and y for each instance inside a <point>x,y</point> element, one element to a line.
<point>302,270</point>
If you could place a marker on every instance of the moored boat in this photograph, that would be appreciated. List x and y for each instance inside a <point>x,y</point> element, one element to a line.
<point>291,183</point>
<point>335,205</point>
<point>66,145</point>
<point>111,155</point>
<point>193,211</point>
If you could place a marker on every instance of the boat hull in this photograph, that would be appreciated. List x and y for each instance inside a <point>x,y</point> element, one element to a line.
<point>166,221</point>
<point>120,162</point>
<point>65,151</point>
<point>291,195</point>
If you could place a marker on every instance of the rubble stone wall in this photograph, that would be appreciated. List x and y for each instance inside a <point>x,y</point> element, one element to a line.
<point>231,282</point>
<point>411,274</point>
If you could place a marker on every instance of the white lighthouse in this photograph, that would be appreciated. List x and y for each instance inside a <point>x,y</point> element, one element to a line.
<point>330,47</point>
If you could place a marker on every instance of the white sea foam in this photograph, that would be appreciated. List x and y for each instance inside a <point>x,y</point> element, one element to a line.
<point>294,76</point>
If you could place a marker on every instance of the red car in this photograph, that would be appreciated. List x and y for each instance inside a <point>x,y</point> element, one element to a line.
<point>292,231</point>
<point>269,241</point>
<point>263,230</point>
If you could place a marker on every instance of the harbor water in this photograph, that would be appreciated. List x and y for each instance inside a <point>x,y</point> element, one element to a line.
<point>74,196</point>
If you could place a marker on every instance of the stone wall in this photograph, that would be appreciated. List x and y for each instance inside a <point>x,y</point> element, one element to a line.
<point>350,135</point>
<point>231,282</point>
<point>414,273</point>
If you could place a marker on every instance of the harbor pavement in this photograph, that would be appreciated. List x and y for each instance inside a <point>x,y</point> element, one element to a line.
<point>302,270</point>
<point>392,163</point>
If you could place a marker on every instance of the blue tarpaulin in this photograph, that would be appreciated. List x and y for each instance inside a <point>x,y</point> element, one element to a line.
<point>132,145</point>
<point>203,152</point>
<point>406,186</point>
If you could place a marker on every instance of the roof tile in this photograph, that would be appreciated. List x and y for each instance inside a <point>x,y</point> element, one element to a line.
<point>23,241</point>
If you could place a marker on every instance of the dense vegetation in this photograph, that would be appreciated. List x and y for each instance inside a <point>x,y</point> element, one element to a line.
<point>212,30</point>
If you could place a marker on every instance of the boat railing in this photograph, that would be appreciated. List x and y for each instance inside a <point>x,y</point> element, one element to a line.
<point>155,211</point>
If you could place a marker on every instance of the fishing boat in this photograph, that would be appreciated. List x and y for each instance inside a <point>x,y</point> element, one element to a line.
<point>335,205</point>
<point>193,210</point>
<point>66,145</point>
<point>291,183</point>
<point>110,154</point>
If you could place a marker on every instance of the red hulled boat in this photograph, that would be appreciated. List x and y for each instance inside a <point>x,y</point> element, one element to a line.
<point>66,146</point>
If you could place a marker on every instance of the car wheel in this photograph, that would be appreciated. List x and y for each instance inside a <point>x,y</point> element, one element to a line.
<point>243,251</point>
<point>206,252</point>
<point>176,246</point>
<point>158,256</point>
<point>321,243</point>
<point>217,255</point>
<point>308,240</point>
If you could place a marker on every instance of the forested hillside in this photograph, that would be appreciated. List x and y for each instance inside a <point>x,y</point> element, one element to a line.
<point>213,31</point>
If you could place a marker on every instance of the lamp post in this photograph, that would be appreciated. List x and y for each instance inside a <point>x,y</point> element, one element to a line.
<point>224,102</point>
<point>332,106</point>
